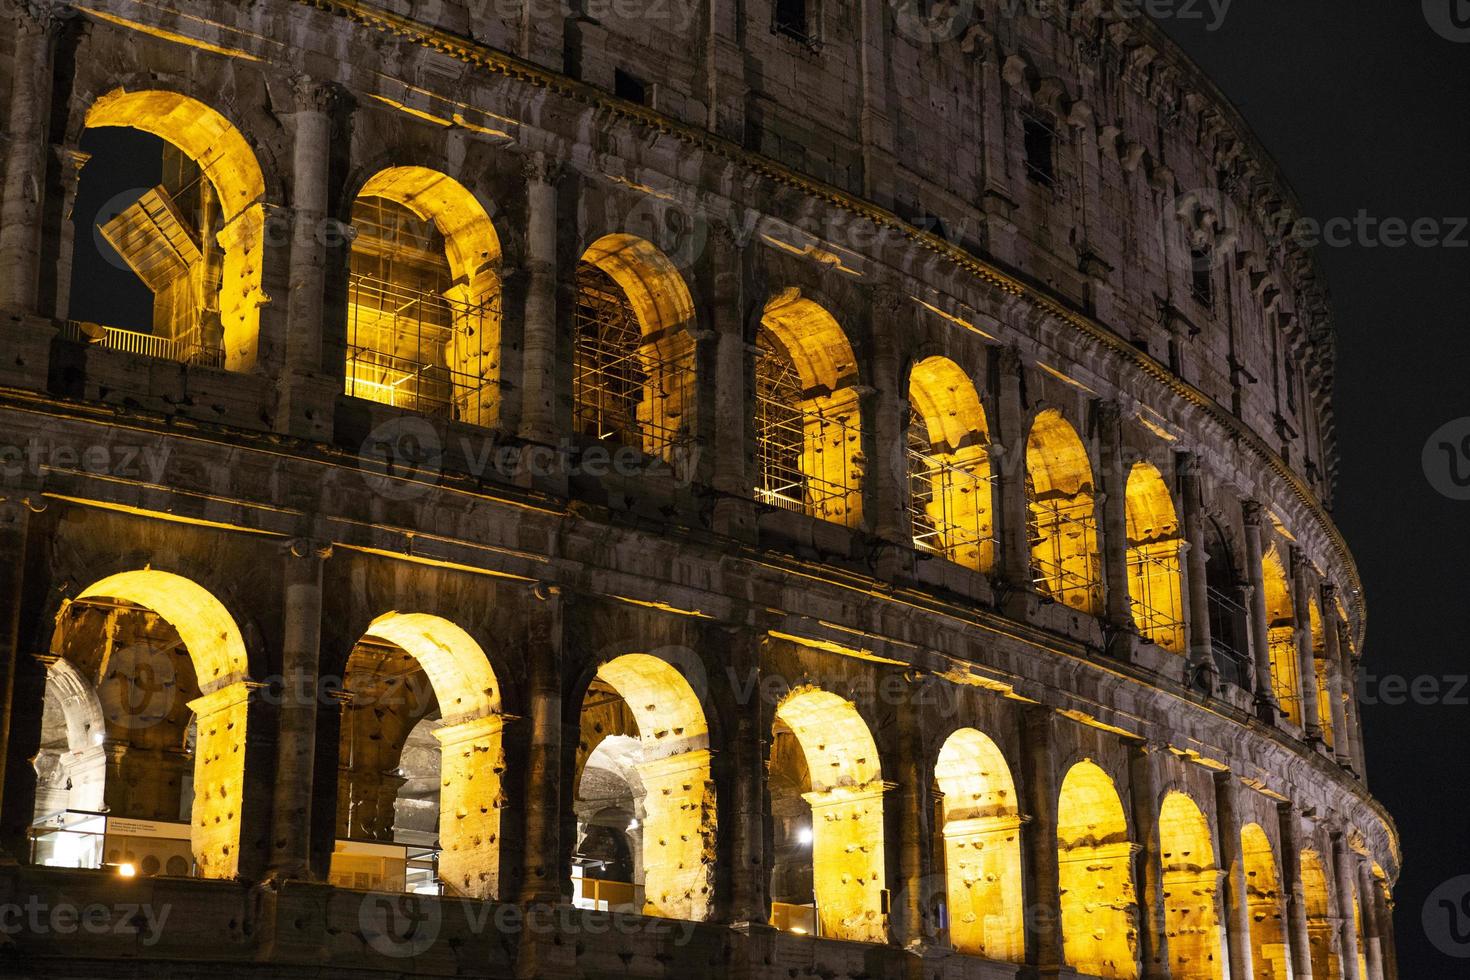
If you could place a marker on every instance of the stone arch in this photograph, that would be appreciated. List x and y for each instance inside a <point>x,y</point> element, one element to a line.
<point>982,848</point>
<point>1155,572</point>
<point>1270,955</point>
<point>1286,679</point>
<point>634,372</point>
<point>808,416</point>
<point>1321,920</point>
<point>1191,891</point>
<point>844,789</point>
<point>1065,558</point>
<point>1229,619</point>
<point>1099,907</point>
<point>463,690</point>
<point>71,766</point>
<point>220,689</point>
<point>423,308</point>
<point>951,495</point>
<point>231,170</point>
<point>667,761</point>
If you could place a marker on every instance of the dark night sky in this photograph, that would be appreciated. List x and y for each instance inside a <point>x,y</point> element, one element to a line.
<point>1365,107</point>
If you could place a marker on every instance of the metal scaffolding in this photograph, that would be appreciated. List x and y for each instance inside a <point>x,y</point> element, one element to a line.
<point>1156,594</point>
<point>788,434</point>
<point>1064,550</point>
<point>949,505</point>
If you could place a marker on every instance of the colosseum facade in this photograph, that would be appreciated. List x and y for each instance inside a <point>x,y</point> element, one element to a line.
<point>666,489</point>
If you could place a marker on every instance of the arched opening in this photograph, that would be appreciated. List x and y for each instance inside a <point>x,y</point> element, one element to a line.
<point>1155,579</point>
<point>808,420</point>
<point>1320,671</point>
<point>645,801</point>
<point>633,367</point>
<point>194,240</point>
<point>1191,891</point>
<point>143,732</point>
<point>981,827</point>
<point>1321,923</point>
<point>950,491</point>
<point>1063,516</point>
<point>1228,617</point>
<point>1270,956</point>
<point>1286,682</point>
<point>823,756</point>
<point>423,301</point>
<point>1099,909</point>
<point>419,761</point>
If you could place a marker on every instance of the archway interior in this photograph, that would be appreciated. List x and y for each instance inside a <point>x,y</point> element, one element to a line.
<point>633,365</point>
<point>1155,575</point>
<point>1281,635</point>
<point>808,419</point>
<point>950,489</point>
<point>424,318</point>
<point>144,721</point>
<point>1320,670</point>
<point>195,239</point>
<point>1270,956</point>
<point>1228,615</point>
<point>420,761</point>
<point>981,827</point>
<point>1099,907</point>
<point>845,799</point>
<point>643,777</point>
<point>1063,517</point>
<point>1321,922</point>
<point>1191,891</point>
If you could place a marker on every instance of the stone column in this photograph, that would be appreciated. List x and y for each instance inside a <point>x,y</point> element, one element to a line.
<point>1297,935</point>
<point>311,154</point>
<point>1266,707</point>
<point>1044,951</point>
<point>1112,504</point>
<point>733,442</point>
<point>1345,875</point>
<point>296,738</point>
<point>909,926</point>
<point>1143,785</point>
<point>887,470</point>
<point>1232,861</point>
<point>55,288</point>
<point>539,415</point>
<point>1383,906</point>
<point>1301,592</point>
<point>1341,741</point>
<point>542,881</point>
<point>37,25</point>
<point>1009,452</point>
<point>749,876</point>
<point>1352,668</point>
<point>1368,908</point>
<point>1201,652</point>
<point>14,525</point>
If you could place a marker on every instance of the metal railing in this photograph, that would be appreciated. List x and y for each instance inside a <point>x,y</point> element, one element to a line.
<point>1286,680</point>
<point>782,431</point>
<point>1059,542</point>
<point>181,350</point>
<point>951,510</point>
<point>402,341</point>
<point>1227,619</point>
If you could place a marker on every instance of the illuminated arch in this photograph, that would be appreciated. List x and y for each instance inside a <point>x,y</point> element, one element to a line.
<point>951,497</point>
<point>808,418</point>
<point>1286,682</point>
<point>221,666</point>
<point>1063,516</point>
<point>1270,955</point>
<point>424,317</point>
<point>231,169</point>
<point>466,695</point>
<point>1320,668</point>
<point>1191,891</point>
<point>845,793</point>
<point>633,371</point>
<point>672,785</point>
<point>71,769</point>
<point>982,848</point>
<point>1321,921</point>
<point>1099,909</point>
<point>1155,580</point>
